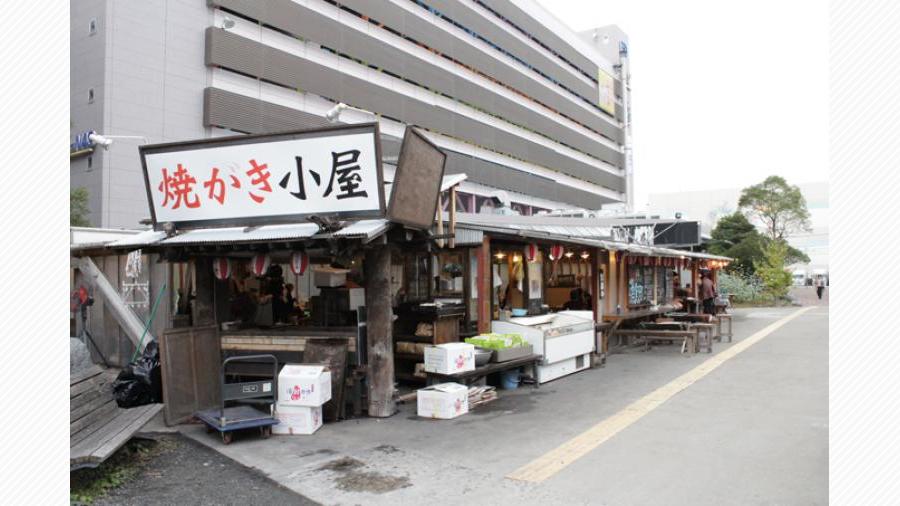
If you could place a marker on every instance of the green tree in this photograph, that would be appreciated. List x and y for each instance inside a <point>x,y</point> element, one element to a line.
<point>771,269</point>
<point>735,237</point>
<point>795,256</point>
<point>78,207</point>
<point>779,206</point>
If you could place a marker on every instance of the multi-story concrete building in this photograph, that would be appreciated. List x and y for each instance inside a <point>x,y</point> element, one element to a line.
<point>518,101</point>
<point>707,206</point>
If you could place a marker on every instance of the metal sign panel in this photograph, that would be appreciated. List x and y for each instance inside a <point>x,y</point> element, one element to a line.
<point>268,178</point>
<point>606,86</point>
<point>417,182</point>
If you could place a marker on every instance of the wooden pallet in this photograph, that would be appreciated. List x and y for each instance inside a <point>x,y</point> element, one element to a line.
<point>97,426</point>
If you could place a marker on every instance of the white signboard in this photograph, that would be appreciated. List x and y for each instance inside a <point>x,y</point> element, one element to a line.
<point>606,86</point>
<point>260,179</point>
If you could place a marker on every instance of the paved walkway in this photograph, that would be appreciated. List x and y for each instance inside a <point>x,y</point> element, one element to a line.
<point>751,431</point>
<point>806,295</point>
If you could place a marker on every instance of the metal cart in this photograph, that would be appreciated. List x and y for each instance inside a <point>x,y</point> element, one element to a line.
<point>226,420</point>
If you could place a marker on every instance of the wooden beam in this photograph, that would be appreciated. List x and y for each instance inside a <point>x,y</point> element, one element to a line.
<point>124,316</point>
<point>379,331</point>
<point>484,284</point>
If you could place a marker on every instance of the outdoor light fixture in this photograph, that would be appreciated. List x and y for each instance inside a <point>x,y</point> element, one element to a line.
<point>335,112</point>
<point>517,258</point>
<point>106,140</point>
<point>227,23</point>
<point>569,254</point>
<point>500,256</point>
<point>585,255</point>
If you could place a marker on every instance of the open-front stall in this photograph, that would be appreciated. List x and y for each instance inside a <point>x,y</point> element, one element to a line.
<point>283,245</point>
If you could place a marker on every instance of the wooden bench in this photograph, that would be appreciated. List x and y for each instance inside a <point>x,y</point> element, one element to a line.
<point>706,332</point>
<point>97,425</point>
<point>688,337</point>
<point>719,319</point>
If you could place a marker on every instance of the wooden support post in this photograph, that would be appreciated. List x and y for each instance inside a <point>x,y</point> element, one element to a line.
<point>695,271</point>
<point>612,284</point>
<point>379,332</point>
<point>204,311</point>
<point>655,284</point>
<point>595,285</point>
<point>452,241</point>
<point>622,298</point>
<point>485,285</point>
<point>440,221</point>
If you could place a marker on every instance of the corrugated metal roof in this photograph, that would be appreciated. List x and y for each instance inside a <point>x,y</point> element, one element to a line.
<point>142,239</point>
<point>363,229</point>
<point>580,236</point>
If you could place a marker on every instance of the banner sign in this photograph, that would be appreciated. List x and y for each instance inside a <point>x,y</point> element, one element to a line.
<point>606,86</point>
<point>417,181</point>
<point>265,179</point>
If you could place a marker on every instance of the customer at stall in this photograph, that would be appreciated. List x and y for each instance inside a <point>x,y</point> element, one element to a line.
<point>708,293</point>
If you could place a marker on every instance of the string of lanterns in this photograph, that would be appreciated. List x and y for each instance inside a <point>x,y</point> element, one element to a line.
<point>223,268</point>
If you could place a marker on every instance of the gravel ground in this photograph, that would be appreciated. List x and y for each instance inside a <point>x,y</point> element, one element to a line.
<point>184,472</point>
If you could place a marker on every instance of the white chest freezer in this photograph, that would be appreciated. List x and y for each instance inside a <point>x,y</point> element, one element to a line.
<point>564,339</point>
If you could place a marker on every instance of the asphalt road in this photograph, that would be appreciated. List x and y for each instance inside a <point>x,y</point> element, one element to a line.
<point>754,430</point>
<point>186,473</point>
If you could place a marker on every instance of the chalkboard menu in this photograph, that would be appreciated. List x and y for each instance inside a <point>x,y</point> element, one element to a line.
<point>640,285</point>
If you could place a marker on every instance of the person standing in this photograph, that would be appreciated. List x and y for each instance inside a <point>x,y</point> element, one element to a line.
<point>820,286</point>
<point>708,294</point>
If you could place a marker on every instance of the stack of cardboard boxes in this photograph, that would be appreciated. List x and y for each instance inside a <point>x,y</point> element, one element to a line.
<point>302,390</point>
<point>446,400</point>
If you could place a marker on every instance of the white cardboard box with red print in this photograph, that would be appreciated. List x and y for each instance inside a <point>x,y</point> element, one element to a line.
<point>444,401</point>
<point>297,420</point>
<point>304,385</point>
<point>450,358</point>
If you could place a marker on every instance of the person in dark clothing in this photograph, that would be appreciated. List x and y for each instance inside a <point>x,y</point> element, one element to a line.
<point>820,286</point>
<point>708,294</point>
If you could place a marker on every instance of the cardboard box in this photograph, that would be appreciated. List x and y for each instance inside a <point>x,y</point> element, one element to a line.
<point>304,385</point>
<point>297,420</point>
<point>443,401</point>
<point>450,358</point>
<point>507,354</point>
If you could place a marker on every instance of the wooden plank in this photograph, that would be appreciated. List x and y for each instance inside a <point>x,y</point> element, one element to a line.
<point>102,443</point>
<point>263,347</point>
<point>137,420</point>
<point>89,384</point>
<point>79,429</point>
<point>85,374</point>
<point>86,407</point>
<point>191,360</point>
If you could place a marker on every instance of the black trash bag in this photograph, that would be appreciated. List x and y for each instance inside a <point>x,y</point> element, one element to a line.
<point>140,382</point>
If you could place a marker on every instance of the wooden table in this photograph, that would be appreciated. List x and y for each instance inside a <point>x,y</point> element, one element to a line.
<point>469,377</point>
<point>618,318</point>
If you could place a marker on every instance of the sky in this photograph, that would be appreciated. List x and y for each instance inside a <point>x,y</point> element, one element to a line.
<point>724,94</point>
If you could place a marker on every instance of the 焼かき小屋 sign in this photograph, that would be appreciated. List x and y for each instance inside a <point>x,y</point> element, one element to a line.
<point>269,178</point>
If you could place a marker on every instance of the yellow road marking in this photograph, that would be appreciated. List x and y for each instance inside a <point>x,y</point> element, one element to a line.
<point>557,459</point>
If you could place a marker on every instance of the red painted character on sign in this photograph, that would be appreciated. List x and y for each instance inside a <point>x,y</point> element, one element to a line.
<point>259,177</point>
<point>179,187</point>
<point>216,186</point>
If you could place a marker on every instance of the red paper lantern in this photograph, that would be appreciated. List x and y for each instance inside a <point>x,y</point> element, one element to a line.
<point>222,268</point>
<point>531,251</point>
<point>299,262</point>
<point>556,252</point>
<point>259,264</point>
